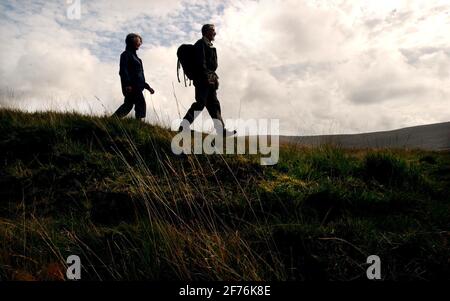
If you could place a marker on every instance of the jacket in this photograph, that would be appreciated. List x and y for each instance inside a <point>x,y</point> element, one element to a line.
<point>206,61</point>
<point>131,70</point>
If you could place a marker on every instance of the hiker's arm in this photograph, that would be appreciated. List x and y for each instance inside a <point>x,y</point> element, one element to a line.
<point>124,74</point>
<point>150,89</point>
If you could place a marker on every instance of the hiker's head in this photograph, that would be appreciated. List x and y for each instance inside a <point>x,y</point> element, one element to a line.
<point>209,31</point>
<point>133,41</point>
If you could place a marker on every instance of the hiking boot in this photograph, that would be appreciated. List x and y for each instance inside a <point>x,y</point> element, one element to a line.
<point>184,124</point>
<point>227,133</point>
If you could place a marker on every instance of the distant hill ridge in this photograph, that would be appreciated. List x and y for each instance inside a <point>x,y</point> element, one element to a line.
<point>429,137</point>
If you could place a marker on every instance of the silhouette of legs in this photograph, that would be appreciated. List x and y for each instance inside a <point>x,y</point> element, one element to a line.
<point>135,99</point>
<point>205,96</point>
<point>214,110</point>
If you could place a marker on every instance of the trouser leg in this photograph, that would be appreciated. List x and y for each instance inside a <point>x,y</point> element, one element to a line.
<point>201,96</point>
<point>125,108</point>
<point>140,107</point>
<point>214,110</point>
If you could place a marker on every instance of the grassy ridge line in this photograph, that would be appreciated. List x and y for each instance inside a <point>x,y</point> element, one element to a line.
<point>112,192</point>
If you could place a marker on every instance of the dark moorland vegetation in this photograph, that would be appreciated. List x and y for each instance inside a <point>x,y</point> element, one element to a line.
<point>112,192</point>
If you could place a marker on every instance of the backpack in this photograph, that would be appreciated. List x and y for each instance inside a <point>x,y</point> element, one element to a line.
<point>186,59</point>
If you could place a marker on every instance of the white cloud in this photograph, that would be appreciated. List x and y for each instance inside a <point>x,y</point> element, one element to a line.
<point>320,66</point>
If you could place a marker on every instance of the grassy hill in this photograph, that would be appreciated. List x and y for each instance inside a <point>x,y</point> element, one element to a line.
<point>112,192</point>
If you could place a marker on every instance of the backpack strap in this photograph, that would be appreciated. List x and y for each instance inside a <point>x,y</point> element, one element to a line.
<point>178,70</point>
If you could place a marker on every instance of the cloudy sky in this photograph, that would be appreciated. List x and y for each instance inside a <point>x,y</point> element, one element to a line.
<point>321,67</point>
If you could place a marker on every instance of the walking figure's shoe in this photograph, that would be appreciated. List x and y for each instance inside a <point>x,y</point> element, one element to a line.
<point>228,133</point>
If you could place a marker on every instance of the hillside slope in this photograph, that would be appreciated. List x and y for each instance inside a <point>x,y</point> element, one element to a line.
<point>112,192</point>
<point>427,137</point>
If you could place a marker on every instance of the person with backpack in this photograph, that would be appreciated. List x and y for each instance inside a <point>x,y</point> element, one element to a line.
<point>200,64</point>
<point>132,79</point>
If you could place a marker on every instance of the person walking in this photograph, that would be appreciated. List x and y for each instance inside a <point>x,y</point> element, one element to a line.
<point>206,83</point>
<point>132,79</point>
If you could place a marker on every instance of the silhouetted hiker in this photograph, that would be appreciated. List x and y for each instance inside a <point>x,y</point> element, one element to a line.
<point>205,79</point>
<point>132,79</point>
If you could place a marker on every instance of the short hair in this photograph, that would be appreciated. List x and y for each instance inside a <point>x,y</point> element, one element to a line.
<point>206,28</point>
<point>129,40</point>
